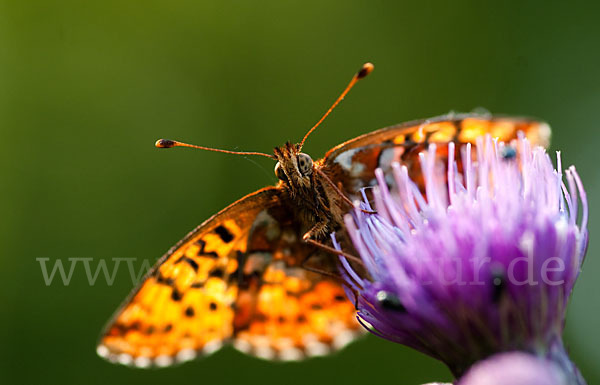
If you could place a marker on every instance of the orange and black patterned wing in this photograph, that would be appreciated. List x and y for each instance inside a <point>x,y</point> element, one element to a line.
<point>284,310</point>
<point>186,303</point>
<point>353,163</point>
<point>236,278</point>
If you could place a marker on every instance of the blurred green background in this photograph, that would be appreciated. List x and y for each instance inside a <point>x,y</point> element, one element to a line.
<point>87,87</point>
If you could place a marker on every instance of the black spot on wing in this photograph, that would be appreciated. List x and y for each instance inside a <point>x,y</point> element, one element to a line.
<point>189,311</point>
<point>118,329</point>
<point>217,272</point>
<point>136,326</point>
<point>189,261</point>
<point>224,233</point>
<point>176,295</point>
<point>163,280</point>
<point>203,253</point>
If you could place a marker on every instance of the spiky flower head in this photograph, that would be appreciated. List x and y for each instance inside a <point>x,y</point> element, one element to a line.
<point>480,259</point>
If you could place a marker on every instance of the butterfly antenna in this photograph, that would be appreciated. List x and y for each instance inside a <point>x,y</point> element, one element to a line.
<point>363,72</point>
<point>166,143</point>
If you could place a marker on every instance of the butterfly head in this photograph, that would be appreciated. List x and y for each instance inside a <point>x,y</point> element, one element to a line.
<point>293,167</point>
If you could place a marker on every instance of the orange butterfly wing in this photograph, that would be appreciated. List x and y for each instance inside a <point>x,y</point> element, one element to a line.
<point>284,310</point>
<point>237,277</point>
<point>353,163</point>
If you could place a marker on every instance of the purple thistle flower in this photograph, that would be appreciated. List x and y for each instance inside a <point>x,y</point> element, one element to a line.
<point>482,260</point>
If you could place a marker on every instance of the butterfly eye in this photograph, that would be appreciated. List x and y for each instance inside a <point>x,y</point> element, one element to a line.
<point>305,164</point>
<point>279,172</point>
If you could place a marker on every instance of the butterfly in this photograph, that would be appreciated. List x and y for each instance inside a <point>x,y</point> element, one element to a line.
<point>243,277</point>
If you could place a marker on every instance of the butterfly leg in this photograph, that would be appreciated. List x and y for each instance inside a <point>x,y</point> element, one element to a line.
<point>341,193</point>
<point>332,250</point>
<point>317,231</point>
<point>338,277</point>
